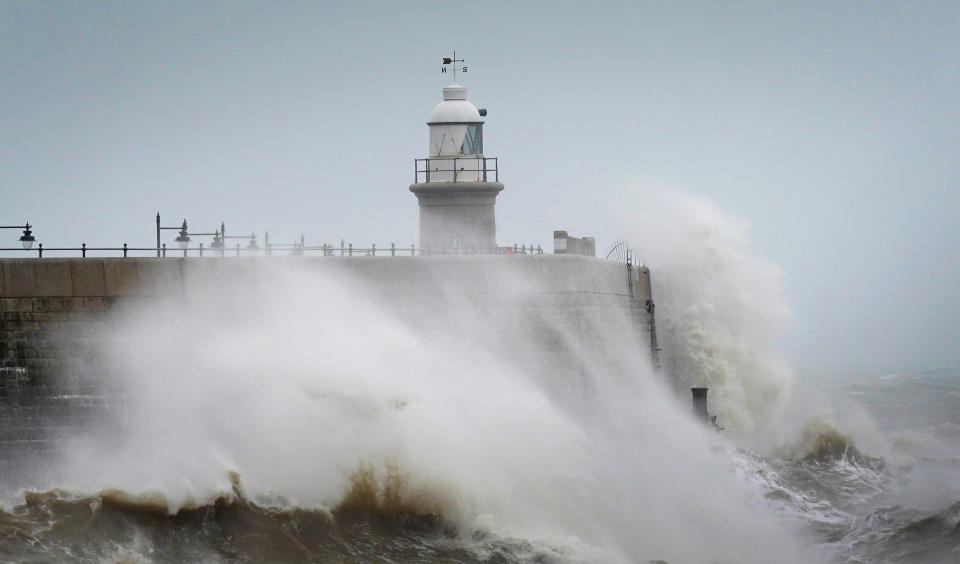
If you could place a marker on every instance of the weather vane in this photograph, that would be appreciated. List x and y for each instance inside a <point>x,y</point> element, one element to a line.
<point>453,61</point>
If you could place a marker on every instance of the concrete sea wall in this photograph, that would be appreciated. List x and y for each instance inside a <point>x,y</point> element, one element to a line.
<point>54,378</point>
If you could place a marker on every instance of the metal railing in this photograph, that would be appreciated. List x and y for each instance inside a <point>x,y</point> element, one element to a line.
<point>451,169</point>
<point>272,249</point>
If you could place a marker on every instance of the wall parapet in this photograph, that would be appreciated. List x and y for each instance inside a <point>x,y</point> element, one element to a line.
<point>172,277</point>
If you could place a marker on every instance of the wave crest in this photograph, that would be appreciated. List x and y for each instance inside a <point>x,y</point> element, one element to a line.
<point>390,493</point>
<point>821,442</point>
<point>380,514</point>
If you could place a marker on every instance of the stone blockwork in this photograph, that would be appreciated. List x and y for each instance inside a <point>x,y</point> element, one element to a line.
<point>583,315</point>
<point>48,376</point>
<point>52,312</point>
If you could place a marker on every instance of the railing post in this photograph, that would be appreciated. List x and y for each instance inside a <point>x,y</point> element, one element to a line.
<point>393,250</point>
<point>124,250</point>
<point>83,250</point>
<point>158,234</point>
<point>40,251</point>
<point>164,250</point>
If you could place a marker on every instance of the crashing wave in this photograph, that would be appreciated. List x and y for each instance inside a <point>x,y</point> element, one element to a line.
<point>822,443</point>
<point>376,520</point>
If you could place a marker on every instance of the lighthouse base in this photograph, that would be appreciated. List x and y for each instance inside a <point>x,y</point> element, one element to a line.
<point>457,217</point>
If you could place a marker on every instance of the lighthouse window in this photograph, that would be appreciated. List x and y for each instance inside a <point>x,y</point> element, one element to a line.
<point>473,140</point>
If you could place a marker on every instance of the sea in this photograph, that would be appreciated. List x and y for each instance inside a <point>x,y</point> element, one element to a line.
<point>888,489</point>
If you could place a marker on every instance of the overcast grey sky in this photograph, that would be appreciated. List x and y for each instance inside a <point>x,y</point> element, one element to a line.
<point>831,128</point>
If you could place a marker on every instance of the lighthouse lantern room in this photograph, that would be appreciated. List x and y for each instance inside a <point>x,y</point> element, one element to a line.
<point>456,134</point>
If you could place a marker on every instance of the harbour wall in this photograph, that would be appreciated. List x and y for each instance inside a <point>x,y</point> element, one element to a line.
<point>581,314</point>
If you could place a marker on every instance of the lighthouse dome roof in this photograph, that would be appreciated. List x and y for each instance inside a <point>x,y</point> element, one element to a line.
<point>455,108</point>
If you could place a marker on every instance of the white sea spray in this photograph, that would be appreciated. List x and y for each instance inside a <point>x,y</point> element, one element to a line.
<point>293,379</point>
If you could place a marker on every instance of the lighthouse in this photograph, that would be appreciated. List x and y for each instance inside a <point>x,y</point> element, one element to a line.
<point>456,185</point>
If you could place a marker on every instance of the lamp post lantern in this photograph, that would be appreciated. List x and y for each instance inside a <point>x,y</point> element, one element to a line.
<point>183,239</point>
<point>27,239</point>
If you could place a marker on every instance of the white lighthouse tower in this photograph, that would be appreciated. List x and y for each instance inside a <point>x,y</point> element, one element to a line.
<point>457,186</point>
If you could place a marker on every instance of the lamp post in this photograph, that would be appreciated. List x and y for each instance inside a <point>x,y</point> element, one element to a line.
<point>27,239</point>
<point>252,246</point>
<point>182,238</point>
<point>219,238</point>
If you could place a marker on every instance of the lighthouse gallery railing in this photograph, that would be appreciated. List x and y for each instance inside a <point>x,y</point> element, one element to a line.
<point>456,169</point>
